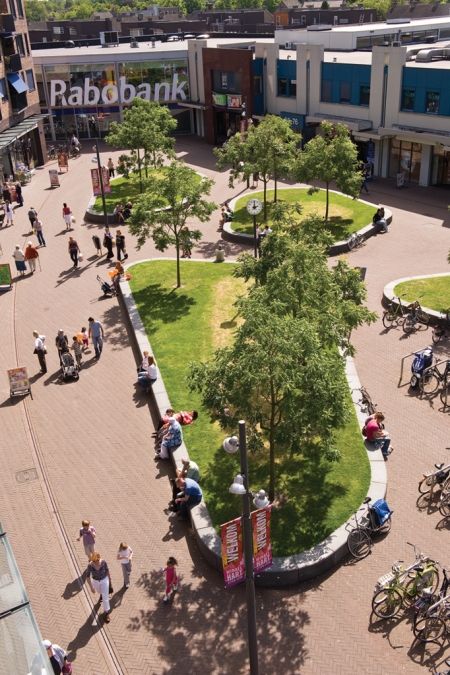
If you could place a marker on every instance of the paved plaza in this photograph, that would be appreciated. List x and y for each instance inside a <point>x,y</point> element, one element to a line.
<point>90,443</point>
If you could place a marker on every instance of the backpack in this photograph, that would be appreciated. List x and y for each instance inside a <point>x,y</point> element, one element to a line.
<point>382,511</point>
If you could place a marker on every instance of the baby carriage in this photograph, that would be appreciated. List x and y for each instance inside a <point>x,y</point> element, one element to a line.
<point>108,289</point>
<point>68,366</point>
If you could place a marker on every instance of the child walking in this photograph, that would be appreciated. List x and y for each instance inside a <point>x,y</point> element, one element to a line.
<point>85,338</point>
<point>76,348</point>
<point>124,555</point>
<point>88,533</point>
<point>171,577</point>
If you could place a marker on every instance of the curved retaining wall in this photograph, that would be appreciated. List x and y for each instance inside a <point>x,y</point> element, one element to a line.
<point>337,248</point>
<point>283,571</point>
<point>390,298</point>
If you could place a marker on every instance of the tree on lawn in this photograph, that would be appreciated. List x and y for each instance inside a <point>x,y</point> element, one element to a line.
<point>270,149</point>
<point>283,374</point>
<point>145,131</point>
<point>167,204</point>
<point>331,158</point>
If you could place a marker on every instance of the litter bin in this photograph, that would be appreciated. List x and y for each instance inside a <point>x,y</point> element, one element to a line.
<point>97,244</point>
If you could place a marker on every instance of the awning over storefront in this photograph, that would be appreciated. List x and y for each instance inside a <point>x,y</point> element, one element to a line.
<point>352,124</point>
<point>187,104</point>
<point>12,134</point>
<point>16,81</point>
<point>415,135</point>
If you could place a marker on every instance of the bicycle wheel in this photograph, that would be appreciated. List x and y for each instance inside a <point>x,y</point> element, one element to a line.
<point>427,579</point>
<point>409,323</point>
<point>351,242</point>
<point>359,543</point>
<point>444,506</point>
<point>437,335</point>
<point>389,319</point>
<point>387,603</point>
<point>445,396</point>
<point>423,316</point>
<point>429,383</point>
<point>425,484</point>
<point>429,629</point>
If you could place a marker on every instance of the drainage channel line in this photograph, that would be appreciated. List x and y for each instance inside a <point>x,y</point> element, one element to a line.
<point>48,493</point>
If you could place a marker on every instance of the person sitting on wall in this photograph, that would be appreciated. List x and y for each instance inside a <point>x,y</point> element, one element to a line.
<point>379,218</point>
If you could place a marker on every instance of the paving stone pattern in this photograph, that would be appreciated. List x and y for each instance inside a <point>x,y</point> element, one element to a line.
<point>90,444</point>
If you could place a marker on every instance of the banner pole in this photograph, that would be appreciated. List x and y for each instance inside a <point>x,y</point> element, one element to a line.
<point>100,172</point>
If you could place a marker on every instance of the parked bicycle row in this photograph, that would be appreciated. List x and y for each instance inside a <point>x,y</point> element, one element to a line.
<point>436,483</point>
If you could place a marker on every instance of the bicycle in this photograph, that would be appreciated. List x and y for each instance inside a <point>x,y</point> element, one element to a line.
<point>427,598</point>
<point>355,240</point>
<point>51,152</point>
<point>441,331</point>
<point>391,318</point>
<point>440,476</point>
<point>432,377</point>
<point>417,315</point>
<point>366,401</point>
<point>377,521</point>
<point>445,672</point>
<point>393,588</point>
<point>433,624</point>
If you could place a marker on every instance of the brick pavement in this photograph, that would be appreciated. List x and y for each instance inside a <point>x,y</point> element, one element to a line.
<point>88,441</point>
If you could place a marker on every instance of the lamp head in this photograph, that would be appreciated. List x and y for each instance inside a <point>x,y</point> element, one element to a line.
<point>261,501</point>
<point>238,486</point>
<point>231,444</point>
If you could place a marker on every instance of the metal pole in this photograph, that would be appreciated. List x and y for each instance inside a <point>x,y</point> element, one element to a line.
<point>105,213</point>
<point>248,553</point>
<point>254,237</point>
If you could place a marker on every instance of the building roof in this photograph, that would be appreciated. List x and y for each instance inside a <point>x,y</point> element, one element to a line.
<point>101,15</point>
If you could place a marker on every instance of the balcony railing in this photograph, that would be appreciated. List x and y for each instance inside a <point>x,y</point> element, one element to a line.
<point>7,24</point>
<point>18,101</point>
<point>13,63</point>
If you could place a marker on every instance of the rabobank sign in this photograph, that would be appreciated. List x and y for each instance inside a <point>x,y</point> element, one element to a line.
<point>62,95</point>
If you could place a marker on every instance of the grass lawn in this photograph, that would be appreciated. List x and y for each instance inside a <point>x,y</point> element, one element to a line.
<point>345,215</point>
<point>125,190</point>
<point>435,291</point>
<point>188,324</point>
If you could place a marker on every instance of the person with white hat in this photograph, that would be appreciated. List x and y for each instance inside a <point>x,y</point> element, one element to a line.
<point>57,657</point>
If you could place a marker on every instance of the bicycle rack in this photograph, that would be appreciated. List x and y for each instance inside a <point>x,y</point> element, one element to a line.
<point>405,357</point>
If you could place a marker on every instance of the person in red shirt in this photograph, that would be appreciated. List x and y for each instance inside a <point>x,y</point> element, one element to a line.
<point>376,434</point>
<point>31,254</point>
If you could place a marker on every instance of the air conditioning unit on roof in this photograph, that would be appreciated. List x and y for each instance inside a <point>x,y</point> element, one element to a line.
<point>396,43</point>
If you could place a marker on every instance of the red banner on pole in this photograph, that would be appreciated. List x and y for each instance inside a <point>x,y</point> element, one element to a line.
<point>232,553</point>
<point>63,160</point>
<point>262,547</point>
<point>106,183</point>
<point>96,189</point>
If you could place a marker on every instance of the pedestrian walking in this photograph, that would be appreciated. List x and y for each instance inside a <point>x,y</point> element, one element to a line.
<point>88,533</point>
<point>58,658</point>
<point>19,196</point>
<point>9,213</point>
<point>111,167</point>
<point>125,555</point>
<point>37,225</point>
<point>31,254</point>
<point>32,215</point>
<point>62,343</point>
<point>99,580</point>
<point>85,338</point>
<point>97,334</point>
<point>365,176</point>
<point>108,243</point>
<point>41,350</point>
<point>6,192</point>
<point>76,348</point>
<point>67,215</point>
<point>171,577</point>
<point>186,242</point>
<point>74,250</point>
<point>120,245</point>
<point>19,259</point>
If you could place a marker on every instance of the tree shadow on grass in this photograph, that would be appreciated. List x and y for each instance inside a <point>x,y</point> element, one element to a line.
<point>156,303</point>
<point>339,227</point>
<point>209,621</point>
<point>303,490</point>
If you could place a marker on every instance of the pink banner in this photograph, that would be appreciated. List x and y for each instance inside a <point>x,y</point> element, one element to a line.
<point>96,189</point>
<point>106,183</point>
<point>262,548</point>
<point>232,553</point>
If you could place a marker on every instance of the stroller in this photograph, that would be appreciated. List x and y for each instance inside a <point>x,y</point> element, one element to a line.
<point>68,366</point>
<point>108,289</point>
<point>423,360</point>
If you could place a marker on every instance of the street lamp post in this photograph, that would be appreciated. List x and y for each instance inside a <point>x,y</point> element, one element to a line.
<point>100,173</point>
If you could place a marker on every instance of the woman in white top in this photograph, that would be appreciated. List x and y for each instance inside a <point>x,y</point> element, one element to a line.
<point>19,258</point>
<point>9,213</point>
<point>125,555</point>
<point>147,379</point>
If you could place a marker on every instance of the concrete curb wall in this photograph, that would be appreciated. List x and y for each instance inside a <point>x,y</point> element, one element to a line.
<point>283,571</point>
<point>390,298</point>
<point>337,248</point>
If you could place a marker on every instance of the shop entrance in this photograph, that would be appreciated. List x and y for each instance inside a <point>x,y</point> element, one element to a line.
<point>440,169</point>
<point>226,120</point>
<point>406,158</point>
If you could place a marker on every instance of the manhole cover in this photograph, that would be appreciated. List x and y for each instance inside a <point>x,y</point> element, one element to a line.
<point>26,476</point>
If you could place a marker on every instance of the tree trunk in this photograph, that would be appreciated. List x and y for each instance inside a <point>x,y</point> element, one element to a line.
<point>275,190</point>
<point>140,170</point>
<point>265,198</point>
<point>326,202</point>
<point>177,244</point>
<point>272,448</point>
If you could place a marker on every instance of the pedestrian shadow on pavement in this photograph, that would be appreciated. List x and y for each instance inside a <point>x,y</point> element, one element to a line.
<point>205,619</point>
<point>74,587</point>
<point>116,599</point>
<point>87,631</point>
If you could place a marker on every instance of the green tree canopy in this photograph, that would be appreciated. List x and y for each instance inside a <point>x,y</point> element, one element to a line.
<point>167,204</point>
<point>331,158</point>
<point>145,131</point>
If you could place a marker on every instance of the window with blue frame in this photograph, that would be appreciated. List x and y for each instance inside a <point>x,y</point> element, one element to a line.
<point>426,91</point>
<point>432,102</point>
<point>3,90</point>
<point>408,99</point>
<point>287,78</point>
<point>282,86</point>
<point>292,87</point>
<point>346,92</point>
<point>345,83</point>
<point>326,90</point>
<point>364,95</point>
